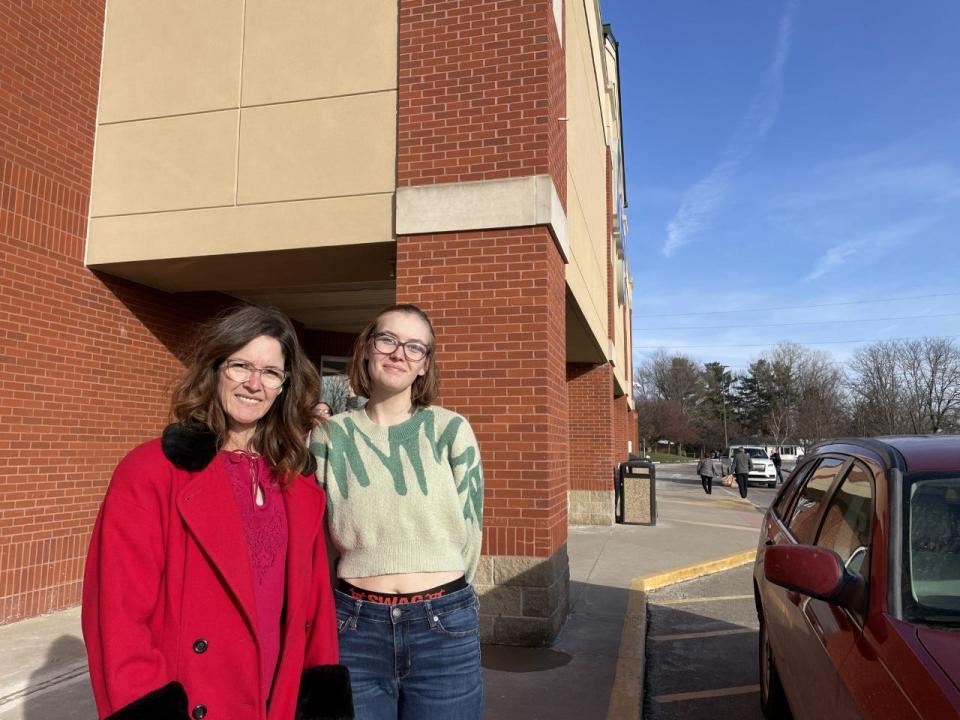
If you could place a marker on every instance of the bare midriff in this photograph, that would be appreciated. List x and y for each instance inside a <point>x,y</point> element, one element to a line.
<point>404,582</point>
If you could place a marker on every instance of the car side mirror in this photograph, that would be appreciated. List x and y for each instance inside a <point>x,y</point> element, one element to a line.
<point>814,571</point>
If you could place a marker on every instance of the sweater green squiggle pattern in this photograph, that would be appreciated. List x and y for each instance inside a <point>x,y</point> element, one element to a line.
<point>406,498</point>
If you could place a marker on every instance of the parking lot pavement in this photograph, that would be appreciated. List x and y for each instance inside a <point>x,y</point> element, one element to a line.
<point>701,655</point>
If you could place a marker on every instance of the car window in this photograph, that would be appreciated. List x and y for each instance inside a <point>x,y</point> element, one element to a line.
<point>933,550</point>
<point>785,498</point>
<point>757,453</point>
<point>846,523</point>
<point>810,499</point>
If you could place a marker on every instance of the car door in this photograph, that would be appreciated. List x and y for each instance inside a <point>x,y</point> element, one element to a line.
<point>846,528</point>
<point>796,645</point>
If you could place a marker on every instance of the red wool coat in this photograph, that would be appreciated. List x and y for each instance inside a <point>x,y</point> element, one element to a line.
<point>169,614</point>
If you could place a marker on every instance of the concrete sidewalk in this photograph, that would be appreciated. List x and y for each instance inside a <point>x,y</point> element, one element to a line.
<point>593,671</point>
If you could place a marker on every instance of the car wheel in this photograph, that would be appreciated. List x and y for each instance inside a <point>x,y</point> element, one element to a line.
<point>773,701</point>
<point>771,485</point>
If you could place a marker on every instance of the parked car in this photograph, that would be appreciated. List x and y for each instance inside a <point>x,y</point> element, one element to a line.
<point>857,583</point>
<point>763,468</point>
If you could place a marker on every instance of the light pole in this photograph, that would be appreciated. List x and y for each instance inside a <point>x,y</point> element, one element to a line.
<point>723,399</point>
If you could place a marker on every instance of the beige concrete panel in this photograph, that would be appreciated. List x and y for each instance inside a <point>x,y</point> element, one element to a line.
<point>304,49</point>
<point>245,229</point>
<point>318,148</point>
<point>586,174</point>
<point>166,164</point>
<point>170,58</point>
<point>459,207</point>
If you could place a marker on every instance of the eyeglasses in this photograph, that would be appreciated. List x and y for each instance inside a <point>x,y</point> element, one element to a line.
<point>240,371</point>
<point>388,344</point>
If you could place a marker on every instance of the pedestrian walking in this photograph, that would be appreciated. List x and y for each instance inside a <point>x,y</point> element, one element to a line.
<point>208,555</point>
<point>707,470</point>
<point>776,464</point>
<point>740,465</point>
<point>405,488</point>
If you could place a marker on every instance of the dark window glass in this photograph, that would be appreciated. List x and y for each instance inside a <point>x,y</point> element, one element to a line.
<point>789,491</point>
<point>846,524</point>
<point>804,517</point>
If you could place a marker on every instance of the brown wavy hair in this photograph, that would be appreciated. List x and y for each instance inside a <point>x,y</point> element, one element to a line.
<point>425,387</point>
<point>279,434</point>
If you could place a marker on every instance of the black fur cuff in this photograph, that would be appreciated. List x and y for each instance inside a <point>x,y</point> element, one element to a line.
<point>167,703</point>
<point>325,694</point>
<point>189,446</point>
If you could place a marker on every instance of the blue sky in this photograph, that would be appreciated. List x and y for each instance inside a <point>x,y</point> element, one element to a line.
<point>785,153</point>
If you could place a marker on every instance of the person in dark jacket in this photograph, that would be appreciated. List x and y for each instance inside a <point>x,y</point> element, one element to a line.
<point>207,589</point>
<point>740,465</point>
<point>776,463</point>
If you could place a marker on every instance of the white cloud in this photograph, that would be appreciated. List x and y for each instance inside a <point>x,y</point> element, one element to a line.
<point>705,196</point>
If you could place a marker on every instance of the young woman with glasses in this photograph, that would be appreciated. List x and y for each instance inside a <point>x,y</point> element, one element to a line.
<point>207,586</point>
<point>405,489</point>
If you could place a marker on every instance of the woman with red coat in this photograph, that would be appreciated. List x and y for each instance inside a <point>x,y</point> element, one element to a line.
<point>207,590</point>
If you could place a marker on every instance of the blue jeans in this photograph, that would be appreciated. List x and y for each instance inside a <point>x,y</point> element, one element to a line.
<point>419,661</point>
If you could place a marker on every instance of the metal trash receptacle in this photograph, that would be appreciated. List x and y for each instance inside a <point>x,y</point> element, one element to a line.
<point>639,494</point>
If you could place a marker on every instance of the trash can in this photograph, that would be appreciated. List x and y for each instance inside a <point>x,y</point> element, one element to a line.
<point>638,496</point>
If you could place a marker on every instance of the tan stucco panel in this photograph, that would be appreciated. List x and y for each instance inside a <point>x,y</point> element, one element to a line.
<point>586,176</point>
<point>319,148</point>
<point>170,57</point>
<point>250,228</point>
<point>166,164</point>
<point>296,50</point>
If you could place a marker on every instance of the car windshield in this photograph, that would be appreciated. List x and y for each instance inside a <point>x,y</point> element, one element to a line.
<point>931,588</point>
<point>756,453</point>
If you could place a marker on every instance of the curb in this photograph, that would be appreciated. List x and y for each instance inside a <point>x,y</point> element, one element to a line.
<point>626,697</point>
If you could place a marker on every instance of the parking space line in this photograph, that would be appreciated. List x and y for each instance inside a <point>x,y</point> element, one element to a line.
<point>748,528</point>
<point>704,694</point>
<point>704,634</point>
<point>718,598</point>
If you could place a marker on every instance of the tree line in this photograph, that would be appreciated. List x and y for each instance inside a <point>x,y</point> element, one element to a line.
<point>793,394</point>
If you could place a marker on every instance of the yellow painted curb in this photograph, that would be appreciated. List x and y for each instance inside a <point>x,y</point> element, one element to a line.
<point>652,582</point>
<point>626,696</point>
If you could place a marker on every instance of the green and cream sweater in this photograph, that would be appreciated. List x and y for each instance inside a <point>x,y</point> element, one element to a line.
<point>401,499</point>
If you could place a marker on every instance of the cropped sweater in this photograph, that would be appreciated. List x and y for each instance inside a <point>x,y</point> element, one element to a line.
<point>401,499</point>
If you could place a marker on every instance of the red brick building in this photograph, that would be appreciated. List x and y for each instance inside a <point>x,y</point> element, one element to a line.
<point>160,161</point>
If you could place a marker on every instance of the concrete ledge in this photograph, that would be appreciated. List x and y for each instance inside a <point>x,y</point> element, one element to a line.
<point>483,205</point>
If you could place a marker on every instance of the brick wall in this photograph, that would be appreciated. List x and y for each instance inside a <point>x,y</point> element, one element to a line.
<point>557,105</point>
<point>475,91</point>
<point>592,428</point>
<point>86,361</point>
<point>497,302</point>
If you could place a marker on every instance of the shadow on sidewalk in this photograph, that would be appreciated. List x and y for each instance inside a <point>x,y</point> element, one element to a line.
<point>60,688</point>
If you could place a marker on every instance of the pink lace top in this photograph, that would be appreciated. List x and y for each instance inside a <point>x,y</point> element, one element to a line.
<point>265,527</point>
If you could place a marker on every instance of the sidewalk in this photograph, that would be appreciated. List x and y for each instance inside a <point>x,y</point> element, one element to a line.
<point>593,671</point>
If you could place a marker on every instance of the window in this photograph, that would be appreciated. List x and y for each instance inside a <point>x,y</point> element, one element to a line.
<point>846,524</point>
<point>785,498</point>
<point>932,549</point>
<point>803,520</point>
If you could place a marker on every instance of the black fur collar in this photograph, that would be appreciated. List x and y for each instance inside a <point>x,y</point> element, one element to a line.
<point>189,446</point>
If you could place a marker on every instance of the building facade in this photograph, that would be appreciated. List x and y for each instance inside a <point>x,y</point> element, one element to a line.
<point>162,161</point>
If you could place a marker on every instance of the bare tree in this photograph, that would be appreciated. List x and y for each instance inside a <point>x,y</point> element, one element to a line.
<point>879,393</point>
<point>930,371</point>
<point>821,400</point>
<point>677,378</point>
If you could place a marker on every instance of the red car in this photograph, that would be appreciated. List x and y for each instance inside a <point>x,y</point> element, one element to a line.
<point>857,583</point>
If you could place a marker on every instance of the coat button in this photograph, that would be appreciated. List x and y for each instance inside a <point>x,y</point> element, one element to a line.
<point>200,646</point>
<point>199,712</point>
